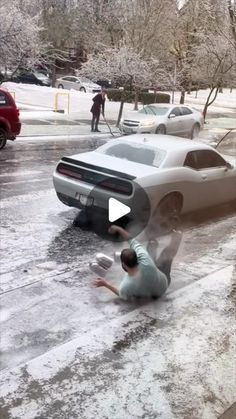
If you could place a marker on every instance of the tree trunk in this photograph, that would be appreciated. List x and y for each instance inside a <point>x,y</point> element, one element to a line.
<point>182,97</point>
<point>209,101</point>
<point>196,94</point>
<point>136,100</point>
<point>53,75</point>
<point>120,113</point>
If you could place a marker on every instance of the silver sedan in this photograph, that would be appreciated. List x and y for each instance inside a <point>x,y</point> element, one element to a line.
<point>77,83</point>
<point>164,119</point>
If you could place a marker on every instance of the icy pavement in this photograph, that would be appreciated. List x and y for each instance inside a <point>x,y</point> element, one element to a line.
<point>173,359</point>
<point>71,351</point>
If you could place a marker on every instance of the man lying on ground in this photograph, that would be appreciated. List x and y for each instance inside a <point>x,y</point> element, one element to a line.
<point>145,276</point>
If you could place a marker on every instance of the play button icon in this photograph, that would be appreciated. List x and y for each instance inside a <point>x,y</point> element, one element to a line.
<point>117,210</point>
<point>115,200</point>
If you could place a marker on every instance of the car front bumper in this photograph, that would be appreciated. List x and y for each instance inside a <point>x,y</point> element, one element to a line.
<point>137,130</point>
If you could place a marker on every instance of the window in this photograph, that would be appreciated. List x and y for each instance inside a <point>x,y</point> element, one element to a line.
<point>68,78</point>
<point>191,160</point>
<point>208,158</point>
<point>135,153</point>
<point>147,110</point>
<point>176,112</point>
<point>203,159</point>
<point>3,99</point>
<point>158,111</point>
<point>186,111</point>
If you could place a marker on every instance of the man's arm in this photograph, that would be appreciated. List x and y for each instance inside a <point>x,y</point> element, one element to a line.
<point>121,231</point>
<point>100,282</point>
<point>103,107</point>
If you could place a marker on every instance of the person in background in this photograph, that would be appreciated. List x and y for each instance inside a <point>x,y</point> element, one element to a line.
<point>145,276</point>
<point>96,109</point>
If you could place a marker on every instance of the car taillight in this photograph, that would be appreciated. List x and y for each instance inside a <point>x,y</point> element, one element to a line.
<point>67,172</point>
<point>117,186</point>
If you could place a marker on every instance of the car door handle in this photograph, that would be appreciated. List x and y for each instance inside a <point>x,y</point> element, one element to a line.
<point>204,176</point>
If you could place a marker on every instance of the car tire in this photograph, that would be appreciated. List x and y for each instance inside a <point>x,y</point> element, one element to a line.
<point>161,129</point>
<point>195,131</point>
<point>166,216</point>
<point>82,89</point>
<point>60,86</point>
<point>3,138</point>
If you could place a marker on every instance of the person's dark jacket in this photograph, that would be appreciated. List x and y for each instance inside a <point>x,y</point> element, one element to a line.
<point>98,104</point>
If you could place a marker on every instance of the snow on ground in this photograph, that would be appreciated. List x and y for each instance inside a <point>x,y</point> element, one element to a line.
<point>78,104</point>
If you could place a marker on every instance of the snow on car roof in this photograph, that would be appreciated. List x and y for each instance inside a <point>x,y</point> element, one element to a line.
<point>166,142</point>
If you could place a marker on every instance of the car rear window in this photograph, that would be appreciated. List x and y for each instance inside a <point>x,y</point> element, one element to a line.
<point>3,99</point>
<point>136,153</point>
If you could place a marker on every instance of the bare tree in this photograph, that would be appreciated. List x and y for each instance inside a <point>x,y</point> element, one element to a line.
<point>125,67</point>
<point>216,67</point>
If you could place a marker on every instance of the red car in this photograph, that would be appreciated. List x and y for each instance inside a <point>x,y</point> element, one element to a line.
<point>10,124</point>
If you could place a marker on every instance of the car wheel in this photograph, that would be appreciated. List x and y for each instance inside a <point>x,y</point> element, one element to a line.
<point>161,129</point>
<point>166,215</point>
<point>60,86</point>
<point>195,131</point>
<point>3,138</point>
<point>82,89</point>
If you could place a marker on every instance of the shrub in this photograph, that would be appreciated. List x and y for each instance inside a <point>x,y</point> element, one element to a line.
<point>117,95</point>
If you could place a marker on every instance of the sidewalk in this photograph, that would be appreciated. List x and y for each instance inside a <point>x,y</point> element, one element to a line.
<point>169,359</point>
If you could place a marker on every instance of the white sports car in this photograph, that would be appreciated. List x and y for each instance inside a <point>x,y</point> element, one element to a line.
<point>178,175</point>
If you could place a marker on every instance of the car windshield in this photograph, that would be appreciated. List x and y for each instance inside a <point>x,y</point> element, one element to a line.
<point>227,145</point>
<point>135,153</point>
<point>40,76</point>
<point>154,110</point>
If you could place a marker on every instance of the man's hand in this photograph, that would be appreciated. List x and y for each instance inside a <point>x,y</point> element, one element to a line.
<point>100,282</point>
<point>123,233</point>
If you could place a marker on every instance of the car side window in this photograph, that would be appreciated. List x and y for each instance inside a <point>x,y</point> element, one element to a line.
<point>207,159</point>
<point>3,99</point>
<point>67,78</point>
<point>185,111</point>
<point>176,111</point>
<point>191,160</point>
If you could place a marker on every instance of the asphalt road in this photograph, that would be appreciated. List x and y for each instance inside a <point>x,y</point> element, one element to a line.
<point>46,293</point>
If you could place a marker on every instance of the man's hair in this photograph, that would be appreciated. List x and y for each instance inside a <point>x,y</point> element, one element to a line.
<point>129,258</point>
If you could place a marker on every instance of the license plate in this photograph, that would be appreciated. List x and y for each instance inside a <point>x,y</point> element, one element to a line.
<point>85,200</point>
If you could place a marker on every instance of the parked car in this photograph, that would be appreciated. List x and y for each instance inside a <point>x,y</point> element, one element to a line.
<point>164,119</point>
<point>178,175</point>
<point>105,84</point>
<point>10,125</point>
<point>31,77</point>
<point>77,83</point>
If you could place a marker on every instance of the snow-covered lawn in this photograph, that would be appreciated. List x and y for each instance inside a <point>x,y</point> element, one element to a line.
<point>77,104</point>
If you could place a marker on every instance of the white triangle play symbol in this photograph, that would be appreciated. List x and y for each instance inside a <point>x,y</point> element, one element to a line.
<point>116,210</point>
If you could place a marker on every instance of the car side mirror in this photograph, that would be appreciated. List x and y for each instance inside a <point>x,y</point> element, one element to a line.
<point>172,115</point>
<point>229,166</point>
